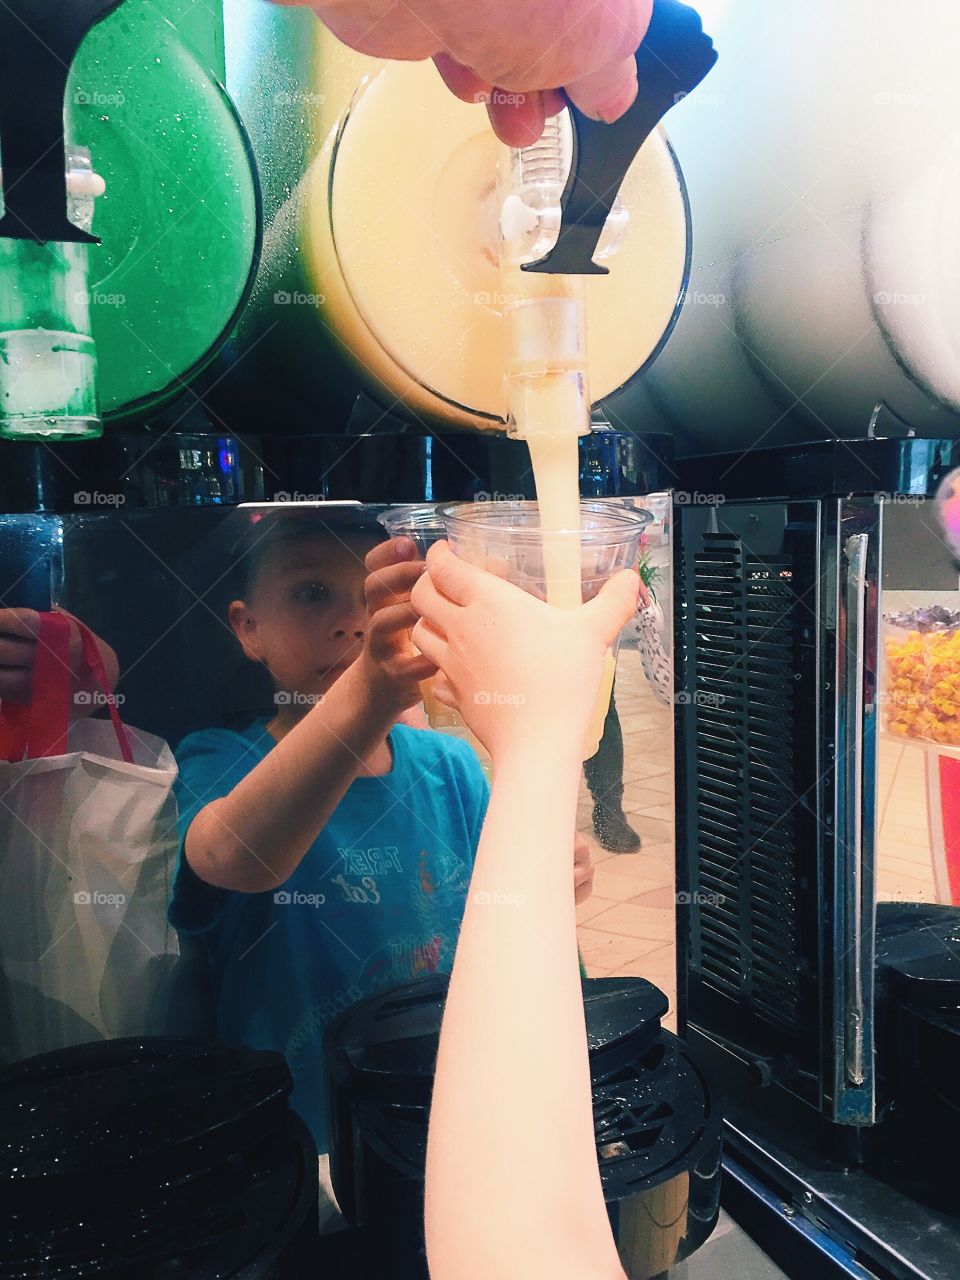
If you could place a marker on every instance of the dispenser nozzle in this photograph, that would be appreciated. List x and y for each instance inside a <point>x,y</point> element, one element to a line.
<point>672,60</point>
<point>531,212</point>
<point>543,317</point>
<point>38,42</point>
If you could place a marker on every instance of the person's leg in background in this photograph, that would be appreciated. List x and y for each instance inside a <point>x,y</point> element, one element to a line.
<point>604,774</point>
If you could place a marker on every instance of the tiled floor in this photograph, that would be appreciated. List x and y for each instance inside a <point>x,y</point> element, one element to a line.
<point>729,1254</point>
<point>627,926</point>
<point>904,858</point>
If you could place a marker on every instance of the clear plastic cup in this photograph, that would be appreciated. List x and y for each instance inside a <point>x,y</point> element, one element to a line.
<point>418,521</point>
<point>421,522</point>
<point>506,538</point>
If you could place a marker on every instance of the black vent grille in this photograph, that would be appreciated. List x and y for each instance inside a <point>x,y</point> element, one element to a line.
<point>745,939</point>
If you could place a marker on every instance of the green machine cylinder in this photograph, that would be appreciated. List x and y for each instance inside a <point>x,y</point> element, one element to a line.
<point>109,316</point>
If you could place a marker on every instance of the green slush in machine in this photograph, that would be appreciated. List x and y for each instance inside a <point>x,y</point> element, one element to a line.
<point>124,163</point>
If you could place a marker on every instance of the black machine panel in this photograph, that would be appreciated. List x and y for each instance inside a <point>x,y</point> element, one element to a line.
<point>747,784</point>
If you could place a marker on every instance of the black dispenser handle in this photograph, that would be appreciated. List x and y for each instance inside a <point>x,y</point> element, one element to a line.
<point>38,42</point>
<point>675,56</point>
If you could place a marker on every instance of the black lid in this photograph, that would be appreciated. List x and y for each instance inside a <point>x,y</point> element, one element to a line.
<point>930,981</point>
<point>918,953</point>
<point>652,1111</point>
<point>120,1155</point>
<point>388,1043</point>
<point>653,1118</point>
<point>117,1102</point>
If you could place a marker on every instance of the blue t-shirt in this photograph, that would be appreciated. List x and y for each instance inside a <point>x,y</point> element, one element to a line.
<point>375,902</point>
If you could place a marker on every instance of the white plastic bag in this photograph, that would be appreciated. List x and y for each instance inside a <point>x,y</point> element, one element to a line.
<point>88,846</point>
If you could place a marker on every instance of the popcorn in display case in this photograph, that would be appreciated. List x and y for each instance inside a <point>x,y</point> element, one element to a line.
<point>922,674</point>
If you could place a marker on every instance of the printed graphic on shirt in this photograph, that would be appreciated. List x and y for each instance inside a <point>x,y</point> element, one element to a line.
<point>437,901</point>
<point>366,891</point>
<point>419,960</point>
<point>397,961</point>
<point>370,862</point>
<point>426,880</point>
<point>309,1030</point>
<point>442,869</point>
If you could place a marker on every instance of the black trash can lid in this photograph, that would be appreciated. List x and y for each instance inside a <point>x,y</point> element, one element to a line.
<point>114,1102</point>
<point>121,1158</point>
<point>390,1040</point>
<point>918,953</point>
<point>653,1113</point>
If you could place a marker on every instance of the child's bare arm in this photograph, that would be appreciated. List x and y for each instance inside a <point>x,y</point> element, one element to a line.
<point>253,839</point>
<point>513,1041</point>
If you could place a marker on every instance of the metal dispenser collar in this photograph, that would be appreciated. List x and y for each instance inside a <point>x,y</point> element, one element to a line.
<point>672,60</point>
<point>38,42</point>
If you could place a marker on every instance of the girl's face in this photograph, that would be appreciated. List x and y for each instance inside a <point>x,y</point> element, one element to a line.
<point>305,617</point>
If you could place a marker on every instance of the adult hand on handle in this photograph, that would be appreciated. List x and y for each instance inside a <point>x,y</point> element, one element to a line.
<point>19,629</point>
<point>514,55</point>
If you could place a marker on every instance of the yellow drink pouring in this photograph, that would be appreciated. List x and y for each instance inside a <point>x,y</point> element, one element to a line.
<point>546,371</point>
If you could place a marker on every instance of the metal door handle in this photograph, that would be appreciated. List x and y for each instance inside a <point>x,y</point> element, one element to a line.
<point>854,1001</point>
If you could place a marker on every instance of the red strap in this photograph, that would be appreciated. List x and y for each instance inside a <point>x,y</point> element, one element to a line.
<point>950,819</point>
<point>14,724</point>
<point>50,704</point>
<point>40,728</point>
<point>91,653</point>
